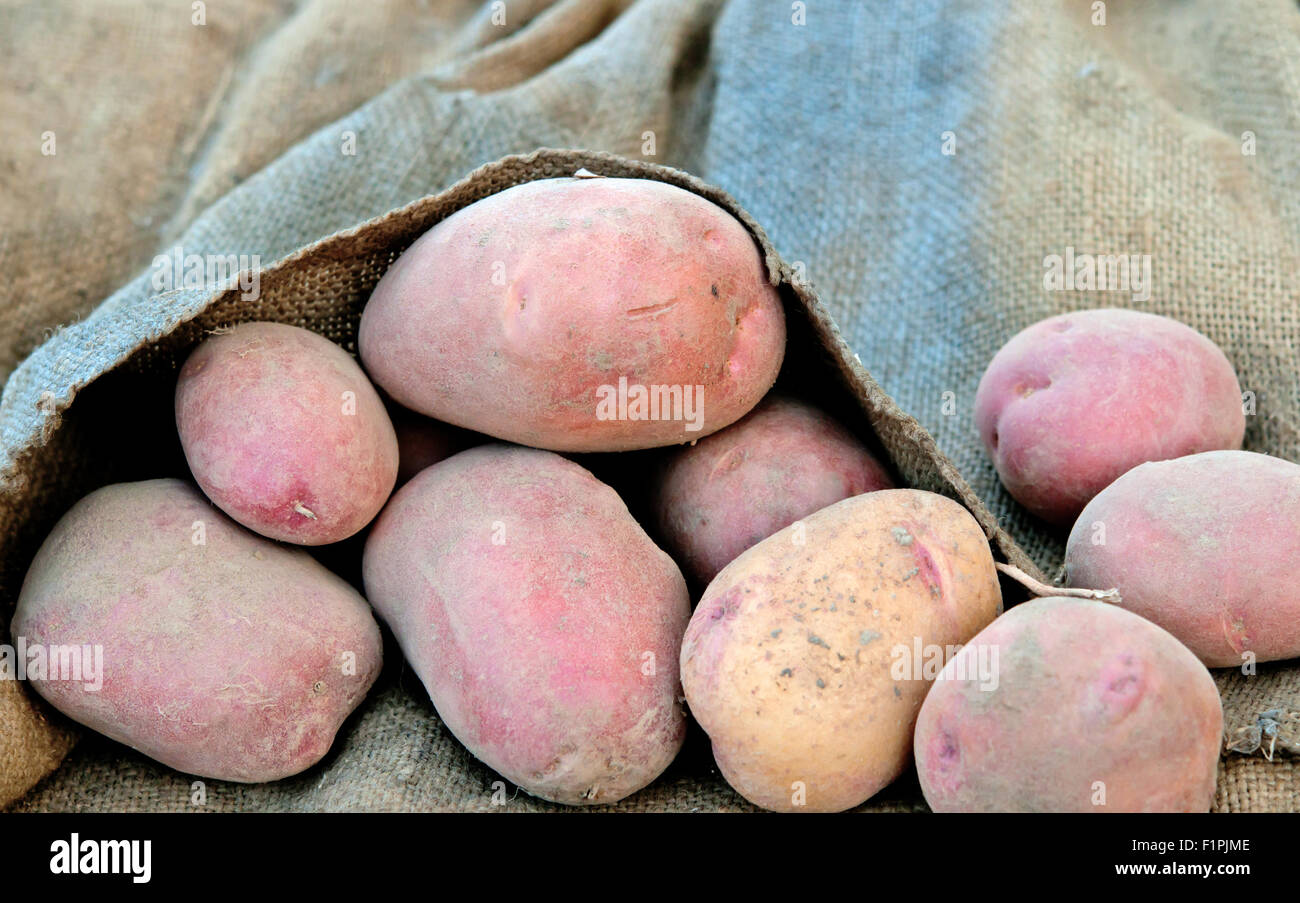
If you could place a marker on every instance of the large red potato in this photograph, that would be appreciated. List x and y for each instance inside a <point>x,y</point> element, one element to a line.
<point>1070,705</point>
<point>538,314</point>
<point>284,432</point>
<point>1074,401</point>
<point>782,461</point>
<point>542,620</point>
<point>223,654</point>
<point>808,656</point>
<point>1205,546</point>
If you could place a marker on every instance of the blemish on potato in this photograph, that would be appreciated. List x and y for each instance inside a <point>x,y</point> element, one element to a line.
<point>651,310</point>
<point>928,570</point>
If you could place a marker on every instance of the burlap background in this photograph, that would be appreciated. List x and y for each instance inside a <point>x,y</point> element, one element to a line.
<point>1123,138</point>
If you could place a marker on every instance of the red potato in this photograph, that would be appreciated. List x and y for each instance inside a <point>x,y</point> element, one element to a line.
<point>541,314</point>
<point>781,462</point>
<point>222,654</point>
<point>1206,546</point>
<point>542,620</point>
<point>284,432</point>
<point>1070,705</point>
<point>1073,402</point>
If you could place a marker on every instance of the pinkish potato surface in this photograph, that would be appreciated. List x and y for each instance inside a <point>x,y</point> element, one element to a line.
<point>285,434</point>
<point>543,621</point>
<point>1074,401</point>
<point>782,461</point>
<point>224,655</point>
<point>519,315</point>
<point>1070,705</point>
<point>1205,546</point>
<point>800,661</point>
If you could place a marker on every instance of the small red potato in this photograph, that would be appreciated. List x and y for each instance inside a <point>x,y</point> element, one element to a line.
<point>782,461</point>
<point>285,434</point>
<point>1070,705</point>
<point>1074,401</point>
<point>808,656</point>
<point>217,652</point>
<point>1206,546</point>
<point>543,621</point>
<point>579,315</point>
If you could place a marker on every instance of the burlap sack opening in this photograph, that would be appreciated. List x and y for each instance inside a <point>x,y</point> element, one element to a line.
<point>394,754</point>
<point>121,426</point>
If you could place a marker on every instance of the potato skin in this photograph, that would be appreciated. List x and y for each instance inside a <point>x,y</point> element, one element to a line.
<point>551,652</point>
<point>788,662</point>
<point>508,316</point>
<point>274,440</point>
<point>1085,692</point>
<point>1206,547</point>
<point>231,657</point>
<point>782,461</point>
<point>1076,400</point>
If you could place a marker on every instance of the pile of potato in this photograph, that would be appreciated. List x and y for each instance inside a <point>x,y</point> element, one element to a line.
<point>844,625</point>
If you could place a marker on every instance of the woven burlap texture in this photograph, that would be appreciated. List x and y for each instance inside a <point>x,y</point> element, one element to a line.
<point>914,161</point>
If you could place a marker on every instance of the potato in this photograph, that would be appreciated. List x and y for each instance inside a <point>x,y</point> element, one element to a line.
<point>1070,705</point>
<point>543,621</point>
<point>1205,546</point>
<point>223,654</point>
<point>782,461</point>
<point>808,657</point>
<point>285,434</point>
<point>579,315</point>
<point>1074,401</point>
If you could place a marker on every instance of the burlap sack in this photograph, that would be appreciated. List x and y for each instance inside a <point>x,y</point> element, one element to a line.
<point>323,288</point>
<point>1167,128</point>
